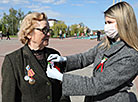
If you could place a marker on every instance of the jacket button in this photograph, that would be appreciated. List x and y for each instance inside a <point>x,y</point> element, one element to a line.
<point>48,83</point>
<point>48,97</point>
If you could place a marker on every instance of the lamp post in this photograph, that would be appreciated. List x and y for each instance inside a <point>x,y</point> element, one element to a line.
<point>114,1</point>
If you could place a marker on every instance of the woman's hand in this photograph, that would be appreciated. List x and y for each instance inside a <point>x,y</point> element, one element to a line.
<point>53,73</point>
<point>56,58</point>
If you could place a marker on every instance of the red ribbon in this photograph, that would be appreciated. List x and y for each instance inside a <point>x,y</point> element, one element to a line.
<point>55,66</point>
<point>101,64</point>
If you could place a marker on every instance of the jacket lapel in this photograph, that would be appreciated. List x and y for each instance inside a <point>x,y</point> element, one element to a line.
<point>33,63</point>
<point>107,53</point>
<point>99,57</point>
<point>114,49</point>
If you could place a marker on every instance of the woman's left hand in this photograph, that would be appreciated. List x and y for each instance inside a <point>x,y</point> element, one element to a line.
<point>53,73</point>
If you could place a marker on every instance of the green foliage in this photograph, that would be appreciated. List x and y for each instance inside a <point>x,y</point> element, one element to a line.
<point>11,22</point>
<point>68,31</point>
<point>60,25</point>
<point>77,28</point>
<point>13,36</point>
<point>74,29</point>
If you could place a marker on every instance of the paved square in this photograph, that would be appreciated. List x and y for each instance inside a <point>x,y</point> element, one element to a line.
<point>66,47</point>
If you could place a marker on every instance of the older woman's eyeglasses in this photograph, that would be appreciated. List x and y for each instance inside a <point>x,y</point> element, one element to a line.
<point>45,30</point>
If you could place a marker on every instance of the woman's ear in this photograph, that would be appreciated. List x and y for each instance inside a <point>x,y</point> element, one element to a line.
<point>29,36</point>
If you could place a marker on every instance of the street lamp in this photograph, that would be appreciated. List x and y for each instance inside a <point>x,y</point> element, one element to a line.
<point>114,1</point>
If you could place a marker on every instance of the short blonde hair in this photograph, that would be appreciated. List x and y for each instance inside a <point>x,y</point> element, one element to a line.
<point>126,23</point>
<point>28,24</point>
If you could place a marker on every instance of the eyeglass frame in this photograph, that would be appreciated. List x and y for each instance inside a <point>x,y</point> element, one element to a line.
<point>44,30</point>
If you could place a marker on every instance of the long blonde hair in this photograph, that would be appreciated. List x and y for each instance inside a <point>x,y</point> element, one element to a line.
<point>28,24</point>
<point>126,23</point>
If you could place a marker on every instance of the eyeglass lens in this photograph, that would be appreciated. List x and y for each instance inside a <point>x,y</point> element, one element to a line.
<point>45,30</point>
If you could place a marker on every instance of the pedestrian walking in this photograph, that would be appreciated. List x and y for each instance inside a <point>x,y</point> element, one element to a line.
<point>98,35</point>
<point>60,34</point>
<point>1,36</point>
<point>8,35</point>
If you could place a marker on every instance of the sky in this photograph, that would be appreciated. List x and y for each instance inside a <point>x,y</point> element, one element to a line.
<point>90,12</point>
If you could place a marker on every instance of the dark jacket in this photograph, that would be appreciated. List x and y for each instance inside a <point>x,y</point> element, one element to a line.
<point>16,89</point>
<point>112,83</point>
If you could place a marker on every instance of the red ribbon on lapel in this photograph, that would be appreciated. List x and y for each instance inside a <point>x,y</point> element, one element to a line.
<point>101,64</point>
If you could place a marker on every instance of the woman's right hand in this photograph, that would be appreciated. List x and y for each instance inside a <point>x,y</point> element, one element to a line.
<point>56,58</point>
<point>54,73</point>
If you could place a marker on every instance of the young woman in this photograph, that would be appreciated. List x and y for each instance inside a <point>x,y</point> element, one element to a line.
<point>115,61</point>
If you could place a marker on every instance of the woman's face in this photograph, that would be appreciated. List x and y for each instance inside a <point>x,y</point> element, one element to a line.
<point>110,27</point>
<point>109,20</point>
<point>38,40</point>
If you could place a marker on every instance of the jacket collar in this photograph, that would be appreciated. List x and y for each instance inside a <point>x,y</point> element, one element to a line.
<point>114,48</point>
<point>32,61</point>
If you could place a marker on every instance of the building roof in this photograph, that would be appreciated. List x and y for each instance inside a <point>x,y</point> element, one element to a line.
<point>52,20</point>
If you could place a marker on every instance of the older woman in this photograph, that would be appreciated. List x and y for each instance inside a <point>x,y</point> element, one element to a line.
<point>115,61</point>
<point>24,76</point>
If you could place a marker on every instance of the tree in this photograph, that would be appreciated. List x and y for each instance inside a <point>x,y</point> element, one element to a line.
<point>11,22</point>
<point>20,16</point>
<point>60,25</point>
<point>4,23</point>
<point>81,25</point>
<point>74,29</point>
<point>68,31</point>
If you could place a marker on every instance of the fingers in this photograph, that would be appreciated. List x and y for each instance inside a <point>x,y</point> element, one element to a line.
<point>49,70</point>
<point>48,67</point>
<point>54,73</point>
<point>52,56</point>
<point>55,60</point>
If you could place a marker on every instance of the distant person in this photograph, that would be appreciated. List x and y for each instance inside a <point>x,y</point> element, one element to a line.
<point>115,61</point>
<point>1,36</point>
<point>60,34</point>
<point>78,34</point>
<point>8,35</point>
<point>91,33</point>
<point>75,34</point>
<point>24,77</point>
<point>86,35</point>
<point>98,35</point>
<point>64,35</point>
